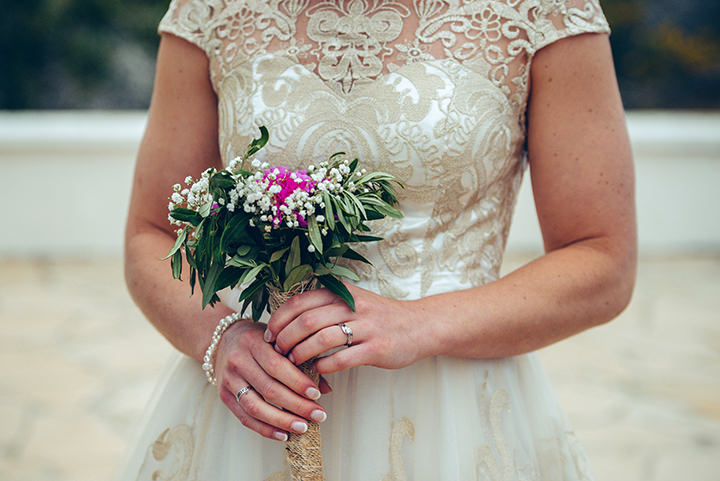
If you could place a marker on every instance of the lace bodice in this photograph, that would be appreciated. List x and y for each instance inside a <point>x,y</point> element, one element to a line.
<point>432,91</point>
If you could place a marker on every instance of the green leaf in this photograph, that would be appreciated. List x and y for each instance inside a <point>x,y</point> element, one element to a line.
<point>294,258</point>
<point>354,255</point>
<point>258,143</point>
<point>334,156</point>
<point>176,263</point>
<point>235,231</point>
<point>299,274</point>
<point>322,270</point>
<point>365,238</point>
<point>204,210</point>
<point>186,215</point>
<point>243,250</point>
<point>178,243</point>
<point>329,214</point>
<point>238,261</point>
<point>193,278</point>
<point>251,289</point>
<point>228,277</point>
<point>252,273</point>
<point>209,285</point>
<point>221,180</point>
<point>337,251</point>
<point>339,289</point>
<point>360,209</point>
<point>277,255</point>
<point>258,303</point>
<point>314,232</point>
<point>344,272</point>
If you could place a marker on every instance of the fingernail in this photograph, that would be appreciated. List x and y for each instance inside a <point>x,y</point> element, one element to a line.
<point>299,427</point>
<point>312,393</point>
<point>277,349</point>
<point>268,335</point>
<point>291,358</point>
<point>280,436</point>
<point>318,416</point>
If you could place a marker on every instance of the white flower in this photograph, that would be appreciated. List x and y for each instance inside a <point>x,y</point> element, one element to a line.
<point>177,198</point>
<point>188,180</point>
<point>321,218</point>
<point>231,207</point>
<point>324,231</point>
<point>311,248</point>
<point>177,187</point>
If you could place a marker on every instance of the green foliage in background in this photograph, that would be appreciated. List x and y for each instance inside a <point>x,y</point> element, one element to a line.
<point>99,53</point>
<point>46,45</point>
<point>667,52</point>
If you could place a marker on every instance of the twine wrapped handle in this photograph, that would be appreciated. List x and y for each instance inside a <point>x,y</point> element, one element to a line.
<point>303,452</point>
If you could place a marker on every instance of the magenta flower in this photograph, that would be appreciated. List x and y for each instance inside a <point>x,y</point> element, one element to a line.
<point>284,185</point>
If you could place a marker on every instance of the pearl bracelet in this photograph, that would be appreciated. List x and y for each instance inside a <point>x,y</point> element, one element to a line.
<point>209,359</point>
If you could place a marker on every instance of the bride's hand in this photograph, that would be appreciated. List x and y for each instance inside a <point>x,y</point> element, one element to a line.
<point>245,359</point>
<point>386,333</point>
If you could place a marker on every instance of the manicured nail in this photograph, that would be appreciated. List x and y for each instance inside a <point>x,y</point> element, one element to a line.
<point>312,393</point>
<point>318,416</point>
<point>268,335</point>
<point>277,349</point>
<point>291,358</point>
<point>299,427</point>
<point>280,436</point>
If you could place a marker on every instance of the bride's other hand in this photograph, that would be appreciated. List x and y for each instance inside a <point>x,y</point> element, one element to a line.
<point>245,359</point>
<point>386,332</point>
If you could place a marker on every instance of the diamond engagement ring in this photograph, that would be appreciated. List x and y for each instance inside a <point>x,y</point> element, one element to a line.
<point>242,392</point>
<point>348,332</point>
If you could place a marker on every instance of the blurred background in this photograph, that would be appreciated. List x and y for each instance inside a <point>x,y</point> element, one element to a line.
<point>81,362</point>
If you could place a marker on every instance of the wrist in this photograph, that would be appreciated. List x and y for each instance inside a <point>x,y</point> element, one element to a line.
<point>209,358</point>
<point>427,326</point>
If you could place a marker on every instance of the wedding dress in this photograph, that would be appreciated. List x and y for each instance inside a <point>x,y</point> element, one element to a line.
<point>434,92</point>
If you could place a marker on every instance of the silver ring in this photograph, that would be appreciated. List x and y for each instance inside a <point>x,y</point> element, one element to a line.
<point>348,332</point>
<point>242,392</point>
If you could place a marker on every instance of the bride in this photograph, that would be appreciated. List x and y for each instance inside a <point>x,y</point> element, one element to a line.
<point>435,377</point>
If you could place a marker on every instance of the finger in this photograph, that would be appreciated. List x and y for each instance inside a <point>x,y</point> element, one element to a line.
<point>253,405</point>
<point>259,427</point>
<point>309,323</point>
<point>325,387</point>
<point>296,305</point>
<point>320,342</point>
<point>273,392</point>
<point>343,359</point>
<point>278,367</point>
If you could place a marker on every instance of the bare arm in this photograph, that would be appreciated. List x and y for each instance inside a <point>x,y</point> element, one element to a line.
<point>582,176</point>
<point>181,140</point>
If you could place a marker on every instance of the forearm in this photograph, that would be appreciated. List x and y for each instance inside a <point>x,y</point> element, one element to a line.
<point>560,294</point>
<point>165,301</point>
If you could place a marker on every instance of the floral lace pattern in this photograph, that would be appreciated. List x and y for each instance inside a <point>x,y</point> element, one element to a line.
<point>432,91</point>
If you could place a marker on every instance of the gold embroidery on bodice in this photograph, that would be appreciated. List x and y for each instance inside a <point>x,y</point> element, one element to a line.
<point>432,91</point>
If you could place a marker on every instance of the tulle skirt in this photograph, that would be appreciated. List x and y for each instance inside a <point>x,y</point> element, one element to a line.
<point>441,419</point>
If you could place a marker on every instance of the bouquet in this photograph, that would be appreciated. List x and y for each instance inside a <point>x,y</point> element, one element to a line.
<point>272,231</point>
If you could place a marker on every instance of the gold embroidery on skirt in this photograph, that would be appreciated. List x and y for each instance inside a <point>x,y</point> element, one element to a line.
<point>400,431</point>
<point>182,437</point>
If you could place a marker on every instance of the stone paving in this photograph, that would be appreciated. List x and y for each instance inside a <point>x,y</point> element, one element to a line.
<point>79,362</point>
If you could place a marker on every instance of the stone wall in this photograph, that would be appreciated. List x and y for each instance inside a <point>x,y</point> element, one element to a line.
<point>66,179</point>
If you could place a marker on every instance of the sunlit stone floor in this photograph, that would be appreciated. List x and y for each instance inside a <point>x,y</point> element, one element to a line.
<point>79,362</point>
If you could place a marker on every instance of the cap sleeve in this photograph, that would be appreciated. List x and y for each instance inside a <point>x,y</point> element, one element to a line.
<point>189,20</point>
<point>558,19</point>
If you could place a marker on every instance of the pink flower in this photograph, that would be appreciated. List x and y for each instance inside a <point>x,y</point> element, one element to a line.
<point>288,184</point>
